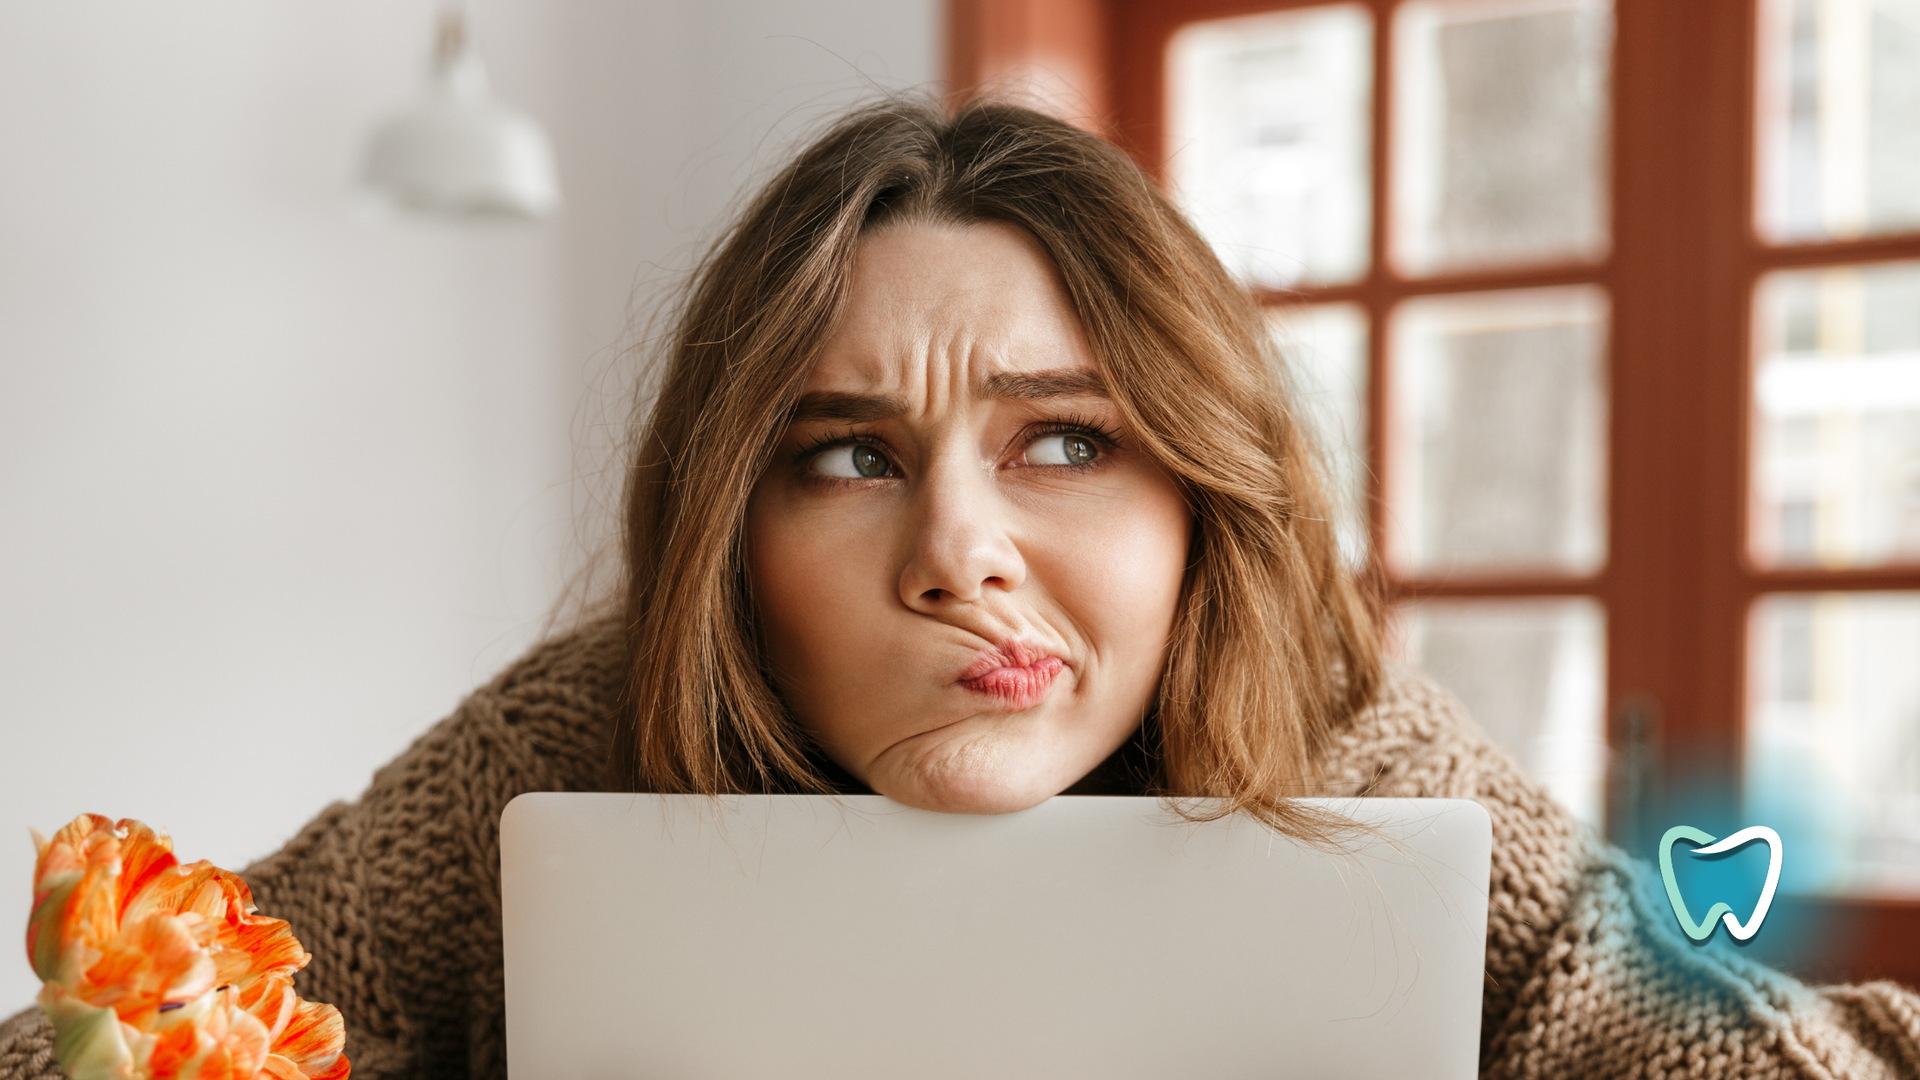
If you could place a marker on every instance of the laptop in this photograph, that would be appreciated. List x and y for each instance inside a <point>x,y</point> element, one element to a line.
<point>696,938</point>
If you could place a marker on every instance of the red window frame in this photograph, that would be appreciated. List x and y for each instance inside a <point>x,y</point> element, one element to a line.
<point>1685,259</point>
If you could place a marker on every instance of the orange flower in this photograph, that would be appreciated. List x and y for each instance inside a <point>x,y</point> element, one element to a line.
<point>154,970</point>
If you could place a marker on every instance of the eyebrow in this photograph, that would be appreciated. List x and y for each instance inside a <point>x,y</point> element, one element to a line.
<point>1015,385</point>
<point>1040,385</point>
<point>848,408</point>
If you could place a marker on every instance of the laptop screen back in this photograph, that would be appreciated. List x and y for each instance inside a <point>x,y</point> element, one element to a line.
<point>687,938</point>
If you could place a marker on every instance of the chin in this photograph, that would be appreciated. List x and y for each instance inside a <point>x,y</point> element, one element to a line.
<point>974,801</point>
<point>956,788</point>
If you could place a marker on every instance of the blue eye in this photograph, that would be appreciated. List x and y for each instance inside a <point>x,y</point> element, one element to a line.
<point>1062,450</point>
<point>852,462</point>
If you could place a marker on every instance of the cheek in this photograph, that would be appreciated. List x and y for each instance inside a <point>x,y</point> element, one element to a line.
<point>1117,569</point>
<point>812,574</point>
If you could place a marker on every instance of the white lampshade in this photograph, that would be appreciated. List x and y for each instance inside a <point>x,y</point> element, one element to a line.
<point>460,152</point>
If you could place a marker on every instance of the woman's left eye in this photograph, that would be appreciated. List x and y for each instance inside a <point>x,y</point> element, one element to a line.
<point>1062,450</point>
<point>852,461</point>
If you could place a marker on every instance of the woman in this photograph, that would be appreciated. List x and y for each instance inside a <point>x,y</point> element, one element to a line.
<point>967,483</point>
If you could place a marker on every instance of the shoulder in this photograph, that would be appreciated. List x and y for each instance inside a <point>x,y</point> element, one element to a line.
<point>396,895</point>
<point>541,724</point>
<point>1415,740</point>
<point>589,657</point>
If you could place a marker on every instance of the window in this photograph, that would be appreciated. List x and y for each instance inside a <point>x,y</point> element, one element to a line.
<point>1609,316</point>
<point>1832,733</point>
<point>1448,249</point>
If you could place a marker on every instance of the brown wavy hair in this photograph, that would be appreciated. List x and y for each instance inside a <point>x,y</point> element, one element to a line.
<point>1273,646</point>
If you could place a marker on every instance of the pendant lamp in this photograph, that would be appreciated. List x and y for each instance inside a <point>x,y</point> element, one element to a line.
<point>459,152</point>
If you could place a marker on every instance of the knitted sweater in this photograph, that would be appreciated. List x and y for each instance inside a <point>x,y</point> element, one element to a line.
<point>398,898</point>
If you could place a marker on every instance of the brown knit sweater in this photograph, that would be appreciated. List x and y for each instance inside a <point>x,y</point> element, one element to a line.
<point>398,898</point>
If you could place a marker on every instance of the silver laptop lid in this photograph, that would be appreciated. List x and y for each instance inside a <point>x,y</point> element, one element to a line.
<point>685,938</point>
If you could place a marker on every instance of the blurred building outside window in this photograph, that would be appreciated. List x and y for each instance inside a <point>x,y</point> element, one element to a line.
<point>1833,742</point>
<point>1838,91</point>
<point>1500,133</point>
<point>1278,171</point>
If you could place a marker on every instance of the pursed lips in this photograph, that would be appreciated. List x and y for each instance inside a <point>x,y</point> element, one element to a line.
<point>1016,675</point>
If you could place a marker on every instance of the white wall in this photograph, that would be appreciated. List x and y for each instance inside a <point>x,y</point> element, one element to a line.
<point>280,480</point>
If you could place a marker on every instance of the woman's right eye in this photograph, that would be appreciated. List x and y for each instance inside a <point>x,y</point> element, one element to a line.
<point>852,462</point>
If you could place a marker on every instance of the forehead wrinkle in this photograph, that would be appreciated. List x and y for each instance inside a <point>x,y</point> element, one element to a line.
<point>915,368</point>
<point>928,344</point>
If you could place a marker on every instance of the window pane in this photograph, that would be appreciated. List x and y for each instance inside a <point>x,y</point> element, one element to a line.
<point>1839,91</point>
<point>1836,469</point>
<point>1500,125</point>
<point>1833,738</point>
<point>1532,673</point>
<point>1325,350</point>
<point>1270,127</point>
<point>1497,433</point>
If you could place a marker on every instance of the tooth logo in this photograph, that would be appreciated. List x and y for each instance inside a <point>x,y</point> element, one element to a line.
<point>1700,931</point>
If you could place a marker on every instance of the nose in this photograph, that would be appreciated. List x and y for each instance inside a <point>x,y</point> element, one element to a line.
<point>961,549</point>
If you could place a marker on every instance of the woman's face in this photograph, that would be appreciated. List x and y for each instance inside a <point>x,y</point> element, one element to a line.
<point>965,571</point>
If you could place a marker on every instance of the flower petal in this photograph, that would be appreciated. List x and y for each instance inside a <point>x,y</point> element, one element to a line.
<point>67,851</point>
<point>268,943</point>
<point>313,1038</point>
<point>272,1001</point>
<point>174,891</point>
<point>145,855</point>
<point>173,1049</point>
<point>151,963</point>
<point>87,1040</point>
<point>240,1051</point>
<point>46,926</point>
<point>74,910</point>
<point>131,944</point>
<point>222,1043</point>
<point>339,1070</point>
